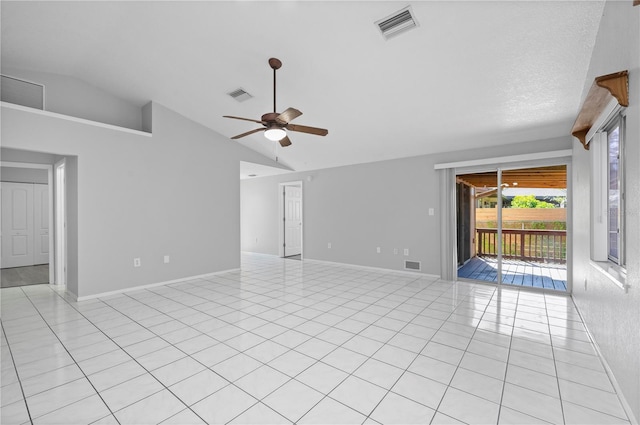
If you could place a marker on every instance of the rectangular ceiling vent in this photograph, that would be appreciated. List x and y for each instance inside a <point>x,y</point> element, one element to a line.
<point>412,265</point>
<point>397,23</point>
<point>240,95</point>
<point>22,92</point>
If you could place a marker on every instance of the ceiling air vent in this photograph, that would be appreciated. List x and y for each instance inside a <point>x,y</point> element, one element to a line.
<point>240,95</point>
<point>397,23</point>
<point>412,265</point>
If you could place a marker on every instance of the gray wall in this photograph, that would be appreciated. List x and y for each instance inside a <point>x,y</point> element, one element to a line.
<point>611,315</point>
<point>73,97</point>
<point>23,175</point>
<point>176,193</point>
<point>360,207</point>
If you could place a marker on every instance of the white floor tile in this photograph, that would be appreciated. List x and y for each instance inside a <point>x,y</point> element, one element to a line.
<point>532,403</point>
<point>579,415</point>
<point>198,386</point>
<point>329,411</point>
<point>293,400</point>
<point>153,409</point>
<point>468,408</point>
<point>223,405</point>
<point>361,395</point>
<point>459,348</point>
<point>262,381</point>
<point>418,388</point>
<point>130,392</point>
<point>395,409</point>
<point>322,377</point>
<point>259,414</point>
<point>84,411</point>
<point>478,384</point>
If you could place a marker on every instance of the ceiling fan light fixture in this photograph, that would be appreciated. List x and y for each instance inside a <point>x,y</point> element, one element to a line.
<point>275,134</point>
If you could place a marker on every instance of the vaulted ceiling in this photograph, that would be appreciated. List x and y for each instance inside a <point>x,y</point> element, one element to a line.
<point>472,74</point>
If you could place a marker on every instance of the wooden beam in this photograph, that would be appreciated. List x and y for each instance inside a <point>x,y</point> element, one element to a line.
<point>616,85</point>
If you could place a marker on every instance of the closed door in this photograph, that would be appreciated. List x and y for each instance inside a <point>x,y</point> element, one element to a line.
<point>17,225</point>
<point>292,220</point>
<point>41,224</point>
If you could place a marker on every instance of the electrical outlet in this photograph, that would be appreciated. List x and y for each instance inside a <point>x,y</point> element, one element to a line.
<point>378,250</point>
<point>166,259</point>
<point>329,245</point>
<point>136,262</point>
<point>406,251</point>
<point>395,251</point>
<point>431,211</point>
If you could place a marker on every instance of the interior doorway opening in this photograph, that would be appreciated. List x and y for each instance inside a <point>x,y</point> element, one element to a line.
<point>512,226</point>
<point>290,220</point>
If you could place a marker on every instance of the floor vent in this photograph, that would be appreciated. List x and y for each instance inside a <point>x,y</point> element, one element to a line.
<point>21,92</point>
<point>397,23</point>
<point>240,95</point>
<point>412,265</point>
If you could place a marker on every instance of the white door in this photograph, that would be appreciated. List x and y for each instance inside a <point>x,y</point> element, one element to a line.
<point>41,224</point>
<point>17,224</point>
<point>292,220</point>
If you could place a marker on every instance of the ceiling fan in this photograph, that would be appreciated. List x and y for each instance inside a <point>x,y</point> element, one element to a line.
<point>275,124</point>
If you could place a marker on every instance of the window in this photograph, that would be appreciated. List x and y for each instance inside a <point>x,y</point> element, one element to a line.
<point>615,190</point>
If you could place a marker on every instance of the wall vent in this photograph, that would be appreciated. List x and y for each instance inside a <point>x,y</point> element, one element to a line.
<point>412,265</point>
<point>240,95</point>
<point>397,23</point>
<point>21,92</point>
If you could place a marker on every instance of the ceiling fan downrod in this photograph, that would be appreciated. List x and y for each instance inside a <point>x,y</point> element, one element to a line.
<point>275,64</point>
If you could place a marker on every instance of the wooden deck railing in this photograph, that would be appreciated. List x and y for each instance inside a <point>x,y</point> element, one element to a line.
<point>535,245</point>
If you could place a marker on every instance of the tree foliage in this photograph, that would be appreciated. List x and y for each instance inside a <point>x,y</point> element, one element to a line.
<point>529,201</point>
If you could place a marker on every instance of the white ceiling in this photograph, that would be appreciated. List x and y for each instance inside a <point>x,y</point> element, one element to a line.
<point>472,74</point>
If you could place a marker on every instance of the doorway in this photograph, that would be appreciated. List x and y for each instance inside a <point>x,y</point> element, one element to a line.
<point>31,236</point>
<point>290,220</point>
<point>519,231</point>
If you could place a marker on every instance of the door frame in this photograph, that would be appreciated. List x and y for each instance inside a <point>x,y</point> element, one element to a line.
<point>61,223</point>
<point>50,183</point>
<point>498,164</point>
<point>281,226</point>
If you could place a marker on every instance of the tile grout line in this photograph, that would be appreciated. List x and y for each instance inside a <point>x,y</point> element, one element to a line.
<point>24,397</point>
<point>74,361</point>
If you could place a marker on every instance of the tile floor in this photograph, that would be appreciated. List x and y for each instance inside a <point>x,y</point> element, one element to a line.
<point>301,342</point>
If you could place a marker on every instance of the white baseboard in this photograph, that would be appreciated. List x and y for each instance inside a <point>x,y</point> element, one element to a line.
<point>378,269</point>
<point>150,285</point>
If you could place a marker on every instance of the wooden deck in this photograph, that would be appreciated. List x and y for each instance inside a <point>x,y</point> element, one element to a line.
<point>516,272</point>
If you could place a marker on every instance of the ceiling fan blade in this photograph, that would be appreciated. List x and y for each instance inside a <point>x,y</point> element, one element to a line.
<point>285,142</point>
<point>287,116</point>
<point>305,129</point>
<point>244,119</point>
<point>247,133</point>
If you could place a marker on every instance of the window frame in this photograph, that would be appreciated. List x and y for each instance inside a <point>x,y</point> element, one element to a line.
<point>617,121</point>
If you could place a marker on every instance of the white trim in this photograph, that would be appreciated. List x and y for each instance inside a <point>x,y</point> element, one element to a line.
<point>505,159</point>
<point>297,183</point>
<point>74,119</point>
<point>612,108</point>
<point>60,231</point>
<point>150,285</point>
<point>613,272</point>
<point>49,169</point>
<point>378,269</point>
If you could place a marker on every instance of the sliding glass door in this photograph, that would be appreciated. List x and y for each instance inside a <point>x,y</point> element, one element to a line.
<point>517,226</point>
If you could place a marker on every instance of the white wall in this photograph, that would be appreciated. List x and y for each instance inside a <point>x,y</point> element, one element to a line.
<point>360,207</point>
<point>176,193</point>
<point>612,316</point>
<point>76,98</point>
